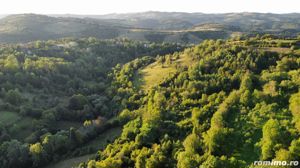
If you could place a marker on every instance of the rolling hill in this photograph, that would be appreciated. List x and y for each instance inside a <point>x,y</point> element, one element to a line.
<point>222,103</point>
<point>29,27</point>
<point>147,26</point>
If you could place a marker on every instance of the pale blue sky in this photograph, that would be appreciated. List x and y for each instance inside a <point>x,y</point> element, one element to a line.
<point>125,6</point>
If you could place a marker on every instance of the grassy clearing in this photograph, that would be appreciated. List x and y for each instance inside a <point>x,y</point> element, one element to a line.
<point>155,73</point>
<point>277,49</point>
<point>278,40</point>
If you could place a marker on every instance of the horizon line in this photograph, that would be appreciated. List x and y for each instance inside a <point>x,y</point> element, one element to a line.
<point>122,13</point>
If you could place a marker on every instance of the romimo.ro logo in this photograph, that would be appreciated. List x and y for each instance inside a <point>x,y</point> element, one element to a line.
<point>276,163</point>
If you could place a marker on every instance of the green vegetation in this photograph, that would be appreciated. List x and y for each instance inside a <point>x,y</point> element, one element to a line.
<point>72,162</point>
<point>119,103</point>
<point>224,104</point>
<point>8,117</point>
<point>98,143</point>
<point>157,72</point>
<point>56,99</point>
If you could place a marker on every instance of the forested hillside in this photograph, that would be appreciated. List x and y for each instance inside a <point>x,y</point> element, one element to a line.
<point>56,98</point>
<point>245,21</point>
<point>223,103</point>
<point>220,103</point>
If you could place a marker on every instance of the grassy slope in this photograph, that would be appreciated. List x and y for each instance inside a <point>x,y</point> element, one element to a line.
<point>155,73</point>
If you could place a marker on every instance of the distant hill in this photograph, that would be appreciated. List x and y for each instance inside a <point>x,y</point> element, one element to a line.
<point>149,26</point>
<point>29,27</point>
<point>247,21</point>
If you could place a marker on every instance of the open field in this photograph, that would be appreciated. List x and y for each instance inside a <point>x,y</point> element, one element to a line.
<point>155,73</point>
<point>277,49</point>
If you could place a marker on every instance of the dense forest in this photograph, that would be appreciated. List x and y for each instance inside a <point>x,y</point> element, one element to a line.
<point>56,95</point>
<point>220,103</point>
<point>237,102</point>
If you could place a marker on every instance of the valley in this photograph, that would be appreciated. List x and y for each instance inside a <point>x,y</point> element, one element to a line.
<point>149,90</point>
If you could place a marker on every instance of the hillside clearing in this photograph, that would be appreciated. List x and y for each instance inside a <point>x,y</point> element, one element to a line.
<point>155,73</point>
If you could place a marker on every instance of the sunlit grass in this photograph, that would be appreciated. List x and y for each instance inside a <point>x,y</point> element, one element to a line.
<point>155,73</point>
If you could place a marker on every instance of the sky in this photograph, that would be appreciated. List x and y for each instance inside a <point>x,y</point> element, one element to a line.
<point>94,7</point>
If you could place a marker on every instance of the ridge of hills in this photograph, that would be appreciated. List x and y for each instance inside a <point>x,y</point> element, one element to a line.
<point>149,26</point>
